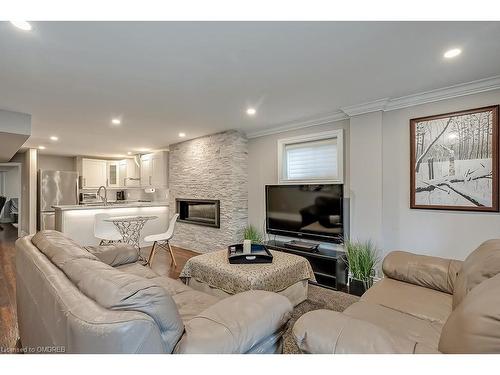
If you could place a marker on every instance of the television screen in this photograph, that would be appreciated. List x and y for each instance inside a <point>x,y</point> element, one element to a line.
<point>307,211</point>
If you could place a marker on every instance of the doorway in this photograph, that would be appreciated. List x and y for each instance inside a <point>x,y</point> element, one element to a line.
<point>10,196</point>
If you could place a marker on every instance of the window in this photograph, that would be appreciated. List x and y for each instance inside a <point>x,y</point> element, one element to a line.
<point>311,158</point>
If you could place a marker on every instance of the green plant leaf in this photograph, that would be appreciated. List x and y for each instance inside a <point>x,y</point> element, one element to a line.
<point>251,233</point>
<point>361,257</point>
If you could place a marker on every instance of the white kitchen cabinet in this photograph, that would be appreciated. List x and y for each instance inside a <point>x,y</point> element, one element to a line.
<point>94,173</point>
<point>129,173</point>
<point>113,178</point>
<point>146,170</point>
<point>154,170</point>
<point>159,169</point>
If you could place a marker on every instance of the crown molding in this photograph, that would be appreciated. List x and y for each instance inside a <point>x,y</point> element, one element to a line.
<point>387,104</point>
<point>359,109</point>
<point>450,92</point>
<point>296,125</point>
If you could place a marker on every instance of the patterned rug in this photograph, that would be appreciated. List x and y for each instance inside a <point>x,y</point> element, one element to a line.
<point>317,298</point>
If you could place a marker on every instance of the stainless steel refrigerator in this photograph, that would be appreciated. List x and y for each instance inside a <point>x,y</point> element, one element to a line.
<point>55,188</point>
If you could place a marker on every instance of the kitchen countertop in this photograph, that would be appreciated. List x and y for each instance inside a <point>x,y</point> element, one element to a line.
<point>110,206</point>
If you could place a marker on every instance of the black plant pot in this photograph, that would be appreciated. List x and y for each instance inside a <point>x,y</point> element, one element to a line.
<point>356,287</point>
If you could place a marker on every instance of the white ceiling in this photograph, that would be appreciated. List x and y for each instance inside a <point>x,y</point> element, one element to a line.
<point>162,78</point>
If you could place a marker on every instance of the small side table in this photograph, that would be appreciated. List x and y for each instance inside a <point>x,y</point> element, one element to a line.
<point>130,228</point>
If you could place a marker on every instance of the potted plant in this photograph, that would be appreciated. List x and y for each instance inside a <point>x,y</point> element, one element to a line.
<point>251,233</point>
<point>361,258</point>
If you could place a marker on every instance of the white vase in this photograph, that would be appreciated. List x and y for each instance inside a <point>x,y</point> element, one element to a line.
<point>247,246</point>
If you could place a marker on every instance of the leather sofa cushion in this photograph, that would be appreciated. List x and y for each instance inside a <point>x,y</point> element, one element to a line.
<point>117,290</point>
<point>426,271</point>
<point>171,286</point>
<point>327,332</point>
<point>399,324</point>
<point>59,248</point>
<point>482,264</point>
<point>138,270</point>
<point>474,326</point>
<point>110,287</point>
<point>191,303</point>
<point>115,254</point>
<point>235,324</point>
<point>422,303</point>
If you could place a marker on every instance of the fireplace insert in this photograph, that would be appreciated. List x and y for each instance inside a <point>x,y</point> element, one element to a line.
<point>199,211</point>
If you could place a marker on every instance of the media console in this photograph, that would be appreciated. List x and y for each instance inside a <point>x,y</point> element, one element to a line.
<point>328,265</point>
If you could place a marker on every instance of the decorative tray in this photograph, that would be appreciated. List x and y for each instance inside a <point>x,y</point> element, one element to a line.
<point>259,254</point>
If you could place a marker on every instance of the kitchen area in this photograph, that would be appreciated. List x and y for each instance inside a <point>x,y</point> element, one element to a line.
<point>71,197</point>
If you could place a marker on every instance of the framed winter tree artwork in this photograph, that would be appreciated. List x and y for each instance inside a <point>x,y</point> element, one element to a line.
<point>454,161</point>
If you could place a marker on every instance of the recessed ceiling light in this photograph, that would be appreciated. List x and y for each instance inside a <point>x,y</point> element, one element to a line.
<point>451,53</point>
<point>129,153</point>
<point>116,121</point>
<point>54,138</point>
<point>251,111</point>
<point>23,25</point>
<point>182,135</point>
<point>41,147</point>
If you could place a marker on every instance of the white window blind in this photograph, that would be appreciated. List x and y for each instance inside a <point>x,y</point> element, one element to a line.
<point>311,160</point>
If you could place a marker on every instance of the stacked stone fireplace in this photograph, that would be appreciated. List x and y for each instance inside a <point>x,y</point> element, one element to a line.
<point>209,176</point>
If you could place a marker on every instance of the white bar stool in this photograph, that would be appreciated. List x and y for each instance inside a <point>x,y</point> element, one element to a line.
<point>162,240</point>
<point>105,231</point>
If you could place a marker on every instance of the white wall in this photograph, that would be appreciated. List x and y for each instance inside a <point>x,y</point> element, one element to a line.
<point>377,174</point>
<point>15,129</point>
<point>15,122</point>
<point>263,166</point>
<point>56,162</point>
<point>366,177</point>
<point>28,160</point>
<point>436,232</point>
<point>12,186</point>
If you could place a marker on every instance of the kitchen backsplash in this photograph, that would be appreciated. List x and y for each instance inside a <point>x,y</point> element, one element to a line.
<point>140,194</point>
<point>136,194</point>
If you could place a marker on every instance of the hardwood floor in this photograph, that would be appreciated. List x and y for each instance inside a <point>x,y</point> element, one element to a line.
<point>8,319</point>
<point>162,264</point>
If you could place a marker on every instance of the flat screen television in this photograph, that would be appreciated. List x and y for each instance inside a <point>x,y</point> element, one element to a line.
<point>305,211</point>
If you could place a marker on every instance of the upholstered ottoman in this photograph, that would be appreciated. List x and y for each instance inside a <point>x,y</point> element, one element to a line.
<point>211,273</point>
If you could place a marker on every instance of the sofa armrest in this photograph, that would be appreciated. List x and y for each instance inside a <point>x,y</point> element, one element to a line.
<point>236,324</point>
<point>115,254</point>
<point>426,271</point>
<point>330,332</point>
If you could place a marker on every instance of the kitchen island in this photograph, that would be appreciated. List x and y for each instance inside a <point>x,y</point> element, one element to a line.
<point>77,221</point>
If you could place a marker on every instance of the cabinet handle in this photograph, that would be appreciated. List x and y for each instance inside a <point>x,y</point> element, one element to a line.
<point>107,182</point>
<point>84,182</point>
<point>150,180</point>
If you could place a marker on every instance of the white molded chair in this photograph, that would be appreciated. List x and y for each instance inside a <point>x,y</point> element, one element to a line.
<point>105,231</point>
<point>162,240</point>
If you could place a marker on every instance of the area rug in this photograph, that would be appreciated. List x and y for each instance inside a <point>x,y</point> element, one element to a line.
<point>317,298</point>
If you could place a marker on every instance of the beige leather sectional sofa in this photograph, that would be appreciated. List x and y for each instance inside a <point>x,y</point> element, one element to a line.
<point>103,301</point>
<point>423,305</point>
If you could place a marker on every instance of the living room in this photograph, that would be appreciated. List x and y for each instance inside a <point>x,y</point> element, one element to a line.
<point>250,187</point>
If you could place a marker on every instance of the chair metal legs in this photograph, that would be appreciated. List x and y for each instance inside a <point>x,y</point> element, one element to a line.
<point>164,245</point>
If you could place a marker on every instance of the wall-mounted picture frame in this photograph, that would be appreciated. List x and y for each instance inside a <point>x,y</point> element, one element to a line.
<point>454,161</point>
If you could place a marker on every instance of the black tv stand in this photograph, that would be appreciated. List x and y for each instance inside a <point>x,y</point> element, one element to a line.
<point>328,264</point>
<point>301,245</point>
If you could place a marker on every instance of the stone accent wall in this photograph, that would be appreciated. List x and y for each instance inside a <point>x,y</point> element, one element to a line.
<point>211,167</point>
